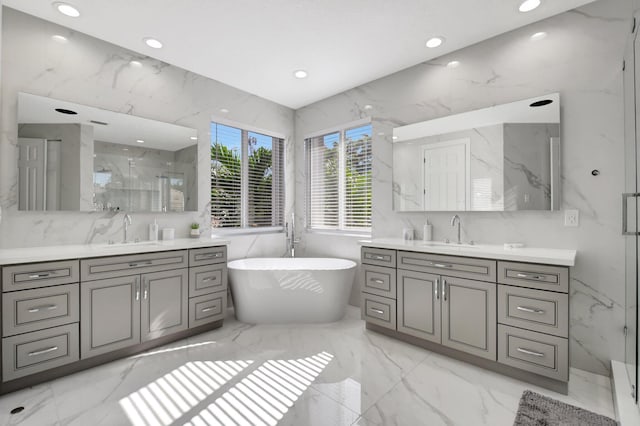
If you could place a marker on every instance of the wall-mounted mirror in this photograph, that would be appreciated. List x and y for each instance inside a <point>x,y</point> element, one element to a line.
<point>80,158</point>
<point>501,158</point>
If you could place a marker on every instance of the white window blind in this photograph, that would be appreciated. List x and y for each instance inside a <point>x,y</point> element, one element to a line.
<point>247,178</point>
<point>339,180</point>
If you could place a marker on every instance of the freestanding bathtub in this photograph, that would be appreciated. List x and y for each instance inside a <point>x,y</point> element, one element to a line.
<point>285,290</point>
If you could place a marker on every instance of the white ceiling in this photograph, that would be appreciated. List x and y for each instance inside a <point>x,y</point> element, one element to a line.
<point>255,45</point>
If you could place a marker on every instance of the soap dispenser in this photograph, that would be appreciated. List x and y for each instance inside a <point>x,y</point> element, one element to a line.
<point>427,231</point>
<point>153,230</point>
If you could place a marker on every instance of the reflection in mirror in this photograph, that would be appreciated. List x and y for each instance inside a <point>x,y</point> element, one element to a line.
<point>81,158</point>
<point>501,158</point>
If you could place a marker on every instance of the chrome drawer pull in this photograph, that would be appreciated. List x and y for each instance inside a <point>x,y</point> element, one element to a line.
<point>42,275</point>
<point>376,280</point>
<point>377,311</point>
<point>210,255</point>
<point>376,257</point>
<point>133,265</point>
<point>530,310</point>
<point>43,351</point>
<point>42,308</point>
<point>207,309</point>
<point>441,265</point>
<point>209,279</point>
<point>528,352</point>
<point>532,277</point>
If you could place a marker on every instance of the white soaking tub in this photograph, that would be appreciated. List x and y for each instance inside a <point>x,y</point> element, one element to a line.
<point>289,290</point>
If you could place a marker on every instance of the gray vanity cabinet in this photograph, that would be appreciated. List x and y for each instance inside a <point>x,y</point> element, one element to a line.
<point>419,305</point>
<point>164,303</point>
<point>454,312</point>
<point>469,316</point>
<point>110,315</point>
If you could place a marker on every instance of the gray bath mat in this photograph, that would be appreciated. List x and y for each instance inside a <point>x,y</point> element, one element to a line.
<point>538,410</point>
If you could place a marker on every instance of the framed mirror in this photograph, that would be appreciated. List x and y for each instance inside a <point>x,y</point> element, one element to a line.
<point>502,158</point>
<point>76,157</point>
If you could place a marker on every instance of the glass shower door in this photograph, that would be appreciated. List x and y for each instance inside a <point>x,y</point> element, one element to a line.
<point>630,215</point>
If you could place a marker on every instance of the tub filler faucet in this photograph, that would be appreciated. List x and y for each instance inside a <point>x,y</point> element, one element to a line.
<point>290,229</point>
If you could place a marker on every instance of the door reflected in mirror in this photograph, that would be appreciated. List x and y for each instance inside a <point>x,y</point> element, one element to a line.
<point>502,158</point>
<point>80,158</point>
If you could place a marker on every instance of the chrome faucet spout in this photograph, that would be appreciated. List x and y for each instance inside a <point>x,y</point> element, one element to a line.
<point>127,221</point>
<point>455,220</point>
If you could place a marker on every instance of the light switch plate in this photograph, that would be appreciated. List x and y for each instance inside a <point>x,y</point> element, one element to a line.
<point>571,218</point>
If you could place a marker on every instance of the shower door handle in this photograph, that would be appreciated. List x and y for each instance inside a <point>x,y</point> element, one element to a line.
<point>625,202</point>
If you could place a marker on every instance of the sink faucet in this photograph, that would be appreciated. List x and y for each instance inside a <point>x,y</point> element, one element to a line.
<point>127,222</point>
<point>455,220</point>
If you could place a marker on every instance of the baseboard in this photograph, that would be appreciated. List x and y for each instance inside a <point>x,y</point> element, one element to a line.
<point>627,411</point>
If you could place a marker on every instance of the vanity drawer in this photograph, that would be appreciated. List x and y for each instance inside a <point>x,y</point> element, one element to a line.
<point>380,257</point>
<point>379,280</point>
<point>542,277</point>
<point>34,275</point>
<point>538,310</point>
<point>535,352</point>
<point>207,279</point>
<point>32,353</point>
<point>207,255</point>
<point>452,266</point>
<point>207,308</point>
<point>121,266</point>
<point>31,310</point>
<point>379,310</point>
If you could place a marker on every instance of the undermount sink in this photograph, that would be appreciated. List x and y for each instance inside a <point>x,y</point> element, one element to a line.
<point>443,244</point>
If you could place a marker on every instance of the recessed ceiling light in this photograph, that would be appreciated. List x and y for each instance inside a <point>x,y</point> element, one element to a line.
<point>300,74</point>
<point>538,36</point>
<point>224,110</point>
<point>453,64</point>
<point>59,38</point>
<point>136,64</point>
<point>434,42</point>
<point>152,42</point>
<point>67,9</point>
<point>395,138</point>
<point>125,149</point>
<point>529,5</point>
<point>194,138</point>
<point>140,141</point>
<point>368,107</point>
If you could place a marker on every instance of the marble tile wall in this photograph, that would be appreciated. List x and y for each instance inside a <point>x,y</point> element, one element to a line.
<point>582,59</point>
<point>92,72</point>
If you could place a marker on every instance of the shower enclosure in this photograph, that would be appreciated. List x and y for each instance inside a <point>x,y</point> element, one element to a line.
<point>630,204</point>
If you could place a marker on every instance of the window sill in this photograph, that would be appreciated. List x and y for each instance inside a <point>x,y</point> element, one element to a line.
<point>236,232</point>
<point>337,233</point>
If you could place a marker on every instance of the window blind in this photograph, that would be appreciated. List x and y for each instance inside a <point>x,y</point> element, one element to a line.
<point>339,180</point>
<point>247,178</point>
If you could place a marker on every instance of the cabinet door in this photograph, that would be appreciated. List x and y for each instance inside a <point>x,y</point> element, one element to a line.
<point>419,305</point>
<point>469,316</point>
<point>110,315</point>
<point>164,303</point>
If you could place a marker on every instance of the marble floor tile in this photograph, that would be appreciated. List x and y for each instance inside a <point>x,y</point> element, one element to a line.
<point>39,407</point>
<point>300,374</point>
<point>443,391</point>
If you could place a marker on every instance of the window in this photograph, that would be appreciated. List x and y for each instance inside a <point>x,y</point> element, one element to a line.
<point>247,178</point>
<point>339,180</point>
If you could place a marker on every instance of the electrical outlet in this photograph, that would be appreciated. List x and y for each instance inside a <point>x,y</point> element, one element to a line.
<point>571,218</point>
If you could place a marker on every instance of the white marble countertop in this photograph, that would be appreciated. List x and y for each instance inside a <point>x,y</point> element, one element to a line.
<point>82,251</point>
<point>486,251</point>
